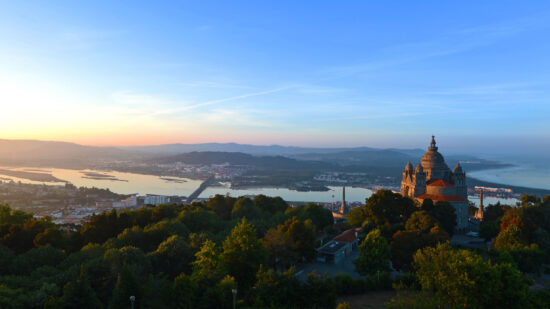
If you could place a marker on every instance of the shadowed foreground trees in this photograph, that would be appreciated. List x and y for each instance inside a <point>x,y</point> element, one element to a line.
<point>243,253</point>
<point>290,243</point>
<point>421,230</point>
<point>384,208</point>
<point>462,279</point>
<point>374,254</point>
<point>191,256</point>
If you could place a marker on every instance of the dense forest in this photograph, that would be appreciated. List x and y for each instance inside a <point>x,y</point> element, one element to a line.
<point>194,256</point>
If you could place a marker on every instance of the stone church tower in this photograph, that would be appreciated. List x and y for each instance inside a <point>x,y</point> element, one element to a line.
<point>432,179</point>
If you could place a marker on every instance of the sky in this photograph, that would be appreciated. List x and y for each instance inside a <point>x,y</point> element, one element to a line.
<point>308,73</point>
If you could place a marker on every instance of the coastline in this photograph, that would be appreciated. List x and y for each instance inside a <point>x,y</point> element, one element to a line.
<point>521,176</point>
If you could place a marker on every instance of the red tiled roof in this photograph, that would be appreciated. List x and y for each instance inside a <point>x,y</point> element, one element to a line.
<point>346,236</point>
<point>444,198</point>
<point>439,183</point>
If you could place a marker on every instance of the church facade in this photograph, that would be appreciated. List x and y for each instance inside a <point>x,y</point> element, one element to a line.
<point>432,179</point>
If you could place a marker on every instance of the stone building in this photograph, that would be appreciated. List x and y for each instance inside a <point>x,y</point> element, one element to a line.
<point>432,179</point>
<point>339,247</point>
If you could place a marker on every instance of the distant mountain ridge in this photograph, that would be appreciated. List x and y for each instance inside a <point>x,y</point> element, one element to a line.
<point>35,152</point>
<point>251,149</point>
<point>65,154</point>
<point>239,158</point>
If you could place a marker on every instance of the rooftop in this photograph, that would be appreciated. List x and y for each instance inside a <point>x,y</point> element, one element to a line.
<point>346,236</point>
<point>439,183</point>
<point>332,246</point>
<point>443,198</point>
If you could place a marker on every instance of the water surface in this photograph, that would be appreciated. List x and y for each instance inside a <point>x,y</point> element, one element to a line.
<point>353,194</point>
<point>122,183</point>
<point>534,175</point>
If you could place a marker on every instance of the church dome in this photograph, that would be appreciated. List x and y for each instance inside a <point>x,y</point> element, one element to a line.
<point>434,164</point>
<point>432,159</point>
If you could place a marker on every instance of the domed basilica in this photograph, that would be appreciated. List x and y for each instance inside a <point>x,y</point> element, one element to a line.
<point>432,179</point>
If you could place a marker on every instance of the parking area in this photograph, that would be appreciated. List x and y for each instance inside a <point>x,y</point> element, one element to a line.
<point>344,266</point>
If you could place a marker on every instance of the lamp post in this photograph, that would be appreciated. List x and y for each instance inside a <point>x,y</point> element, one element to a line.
<point>234,291</point>
<point>132,300</point>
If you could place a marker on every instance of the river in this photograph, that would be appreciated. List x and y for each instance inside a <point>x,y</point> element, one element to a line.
<point>130,183</point>
<point>119,182</point>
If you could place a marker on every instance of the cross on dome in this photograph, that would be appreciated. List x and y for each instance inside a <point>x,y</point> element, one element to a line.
<point>433,147</point>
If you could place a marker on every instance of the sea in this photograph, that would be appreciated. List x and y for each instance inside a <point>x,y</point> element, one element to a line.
<point>532,175</point>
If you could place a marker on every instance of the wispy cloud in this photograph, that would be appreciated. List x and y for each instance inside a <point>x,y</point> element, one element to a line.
<point>229,99</point>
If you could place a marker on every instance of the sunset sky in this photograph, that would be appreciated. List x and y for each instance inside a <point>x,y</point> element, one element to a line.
<point>318,73</point>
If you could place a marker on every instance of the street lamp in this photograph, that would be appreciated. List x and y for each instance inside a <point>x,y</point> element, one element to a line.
<point>132,300</point>
<point>234,291</point>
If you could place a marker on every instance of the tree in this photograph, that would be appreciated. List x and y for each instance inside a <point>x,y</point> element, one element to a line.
<point>131,258</point>
<point>518,217</point>
<point>221,205</point>
<point>76,294</point>
<point>7,256</point>
<point>275,289</point>
<point>445,214</point>
<point>29,261</point>
<point>244,207</point>
<point>463,279</point>
<point>529,258</point>
<point>319,216</point>
<point>268,204</point>
<point>51,236</point>
<point>16,238</point>
<point>530,200</point>
<point>374,254</point>
<point>427,205</point>
<point>290,242</point>
<point>318,293</point>
<point>186,290</point>
<point>344,305</point>
<point>207,265</point>
<point>420,221</point>
<point>387,207</point>
<point>127,285</point>
<point>406,243</point>
<point>356,216</point>
<point>243,253</point>
<point>510,239</point>
<point>281,248</point>
<point>489,229</point>
<point>164,211</point>
<point>10,216</point>
<point>100,228</point>
<point>302,234</point>
<point>494,212</point>
<point>201,221</point>
<point>172,257</point>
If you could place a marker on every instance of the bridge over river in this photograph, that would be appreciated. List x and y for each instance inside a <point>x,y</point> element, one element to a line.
<point>201,188</point>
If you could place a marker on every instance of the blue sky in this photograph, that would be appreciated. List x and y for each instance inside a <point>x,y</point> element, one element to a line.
<point>315,73</point>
